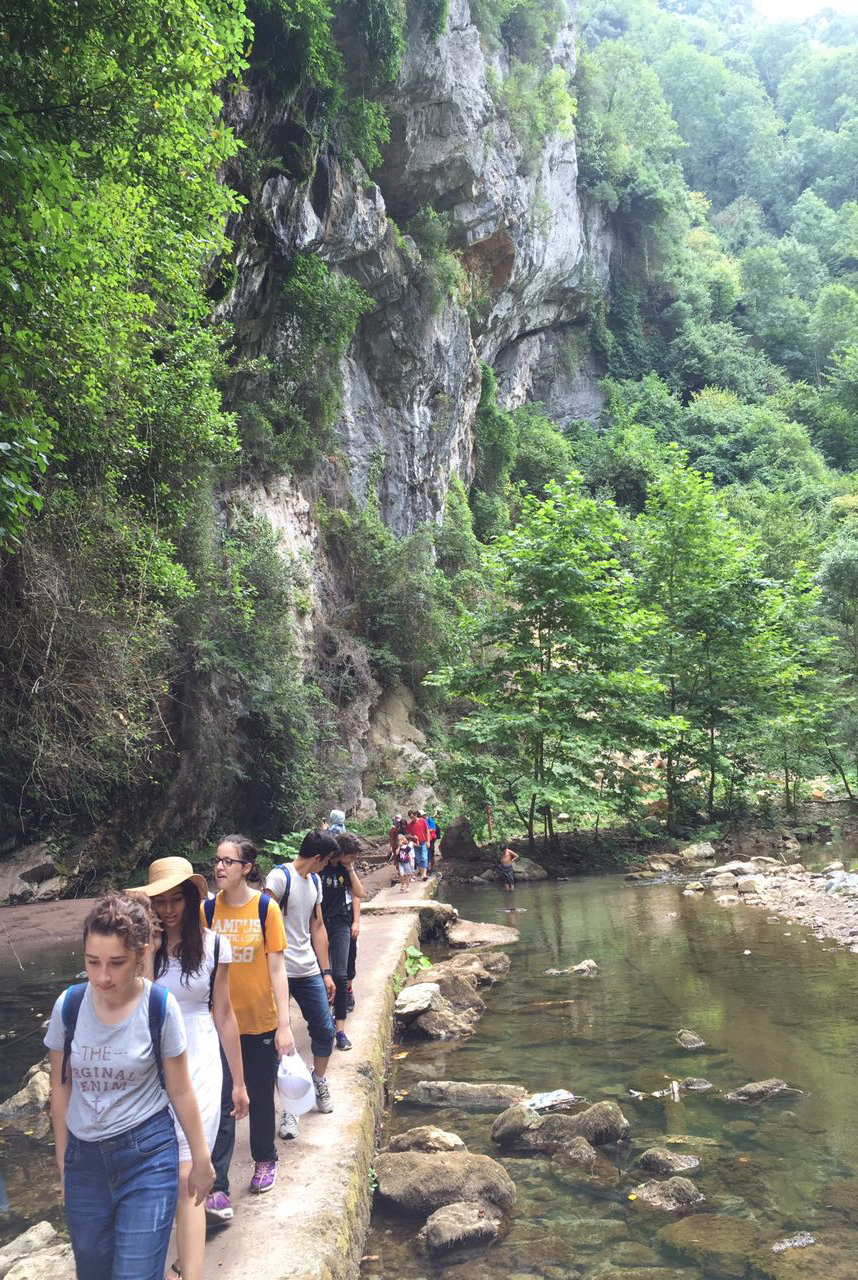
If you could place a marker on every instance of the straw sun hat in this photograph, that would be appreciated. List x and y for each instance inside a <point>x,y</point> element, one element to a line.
<point>169,873</point>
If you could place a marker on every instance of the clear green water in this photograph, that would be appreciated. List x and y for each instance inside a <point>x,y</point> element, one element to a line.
<point>787,1009</point>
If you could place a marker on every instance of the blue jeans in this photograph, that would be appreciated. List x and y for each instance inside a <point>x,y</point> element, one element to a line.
<point>312,999</point>
<point>120,1197</point>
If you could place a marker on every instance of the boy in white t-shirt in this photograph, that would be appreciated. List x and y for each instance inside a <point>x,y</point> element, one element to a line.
<point>298,890</point>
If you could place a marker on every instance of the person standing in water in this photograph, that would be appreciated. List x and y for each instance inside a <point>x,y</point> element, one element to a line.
<point>508,857</point>
<point>193,963</point>
<point>260,997</point>
<point>118,1056</point>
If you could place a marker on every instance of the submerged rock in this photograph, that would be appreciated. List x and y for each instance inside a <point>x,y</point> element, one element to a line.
<point>461,1225</point>
<point>523,1129</point>
<point>577,1163</point>
<point>672,1194</point>
<point>418,1182</point>
<point>465,1095</point>
<point>467,933</point>
<point>660,1160</point>
<point>696,1084</point>
<point>760,1091</point>
<point>717,1244</point>
<point>426,1137</point>
<point>690,1040</point>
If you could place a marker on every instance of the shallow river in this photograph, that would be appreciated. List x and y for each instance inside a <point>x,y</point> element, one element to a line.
<point>768,999</point>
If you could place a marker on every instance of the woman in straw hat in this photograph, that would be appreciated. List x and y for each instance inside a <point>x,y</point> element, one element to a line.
<point>192,962</point>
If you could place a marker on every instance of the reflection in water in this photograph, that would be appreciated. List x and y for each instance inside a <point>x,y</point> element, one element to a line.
<point>768,1000</point>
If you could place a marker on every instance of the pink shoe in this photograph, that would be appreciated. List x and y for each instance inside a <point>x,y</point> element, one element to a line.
<point>264,1176</point>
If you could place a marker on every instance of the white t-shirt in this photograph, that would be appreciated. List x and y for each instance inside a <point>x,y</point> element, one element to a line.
<point>192,992</point>
<point>114,1077</point>
<point>304,895</point>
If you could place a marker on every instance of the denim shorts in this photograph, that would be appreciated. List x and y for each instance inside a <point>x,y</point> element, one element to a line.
<point>421,856</point>
<point>120,1199</point>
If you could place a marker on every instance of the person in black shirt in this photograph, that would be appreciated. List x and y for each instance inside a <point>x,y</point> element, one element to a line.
<point>341,889</point>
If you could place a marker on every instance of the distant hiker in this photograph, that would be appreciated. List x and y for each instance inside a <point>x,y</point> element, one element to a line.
<point>418,833</point>
<point>397,829</point>
<point>337,825</point>
<point>433,839</point>
<point>508,857</point>
<point>404,862</point>
<point>260,997</point>
<point>193,962</point>
<point>341,894</point>
<point>298,889</point>
<point>118,1056</point>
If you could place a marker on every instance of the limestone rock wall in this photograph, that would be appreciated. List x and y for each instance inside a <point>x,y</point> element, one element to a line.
<point>410,378</point>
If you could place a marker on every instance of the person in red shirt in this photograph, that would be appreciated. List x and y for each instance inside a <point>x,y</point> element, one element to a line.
<point>418,832</point>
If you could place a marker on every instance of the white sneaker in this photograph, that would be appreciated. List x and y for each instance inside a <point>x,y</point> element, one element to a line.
<point>288,1125</point>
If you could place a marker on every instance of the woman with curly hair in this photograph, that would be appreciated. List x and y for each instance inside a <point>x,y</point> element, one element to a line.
<point>118,1056</point>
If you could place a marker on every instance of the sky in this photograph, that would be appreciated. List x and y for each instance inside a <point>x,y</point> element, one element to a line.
<point>784,10</point>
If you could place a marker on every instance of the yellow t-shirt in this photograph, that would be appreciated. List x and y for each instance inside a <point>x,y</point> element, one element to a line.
<point>249,979</point>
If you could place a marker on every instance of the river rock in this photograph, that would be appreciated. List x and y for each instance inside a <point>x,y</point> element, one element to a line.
<point>56,1263</point>
<point>660,1160</point>
<point>724,880</point>
<point>39,1237</point>
<point>435,919</point>
<point>456,987</point>
<point>414,1000</point>
<point>717,1244</point>
<point>527,869</point>
<point>641,875</point>
<point>696,1084</point>
<point>467,933</point>
<point>458,843</point>
<point>27,1110</point>
<point>443,1024</point>
<point>760,1091</point>
<point>600,1123</point>
<point>578,1163</point>
<point>465,1095</point>
<point>690,1040</point>
<point>31,875</point>
<point>749,884</point>
<point>418,1182</point>
<point>461,1225</point>
<point>801,1240</point>
<point>585,966</point>
<point>701,851</point>
<point>496,963</point>
<point>426,1137</point>
<point>671,1195</point>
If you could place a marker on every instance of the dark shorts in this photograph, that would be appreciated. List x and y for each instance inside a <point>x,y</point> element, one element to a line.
<point>508,875</point>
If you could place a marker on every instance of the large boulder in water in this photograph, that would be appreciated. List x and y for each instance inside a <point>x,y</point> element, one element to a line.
<point>516,1129</point>
<point>468,933</point>
<point>461,1225</point>
<point>418,1182</point>
<point>466,1095</point>
<point>458,843</point>
<point>456,986</point>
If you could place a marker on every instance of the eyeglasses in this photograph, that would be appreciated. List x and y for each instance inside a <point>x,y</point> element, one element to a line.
<point>229,862</point>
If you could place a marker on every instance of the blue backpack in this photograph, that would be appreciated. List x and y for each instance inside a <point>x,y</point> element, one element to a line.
<point>264,903</point>
<point>157,1013</point>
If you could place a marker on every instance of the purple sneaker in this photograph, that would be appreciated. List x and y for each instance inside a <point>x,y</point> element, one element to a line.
<point>264,1176</point>
<point>218,1209</point>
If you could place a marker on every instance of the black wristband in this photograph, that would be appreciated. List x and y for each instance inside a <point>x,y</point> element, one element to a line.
<point>327,973</point>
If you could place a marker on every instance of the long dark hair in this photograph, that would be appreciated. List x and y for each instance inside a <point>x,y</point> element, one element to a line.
<point>189,951</point>
<point>248,852</point>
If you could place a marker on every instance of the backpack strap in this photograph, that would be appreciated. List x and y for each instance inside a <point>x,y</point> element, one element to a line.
<point>214,970</point>
<point>284,901</point>
<point>264,904</point>
<point>70,1010</point>
<point>157,1014</point>
<point>209,910</point>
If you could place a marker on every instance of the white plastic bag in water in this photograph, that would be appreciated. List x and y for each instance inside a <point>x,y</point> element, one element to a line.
<point>295,1084</point>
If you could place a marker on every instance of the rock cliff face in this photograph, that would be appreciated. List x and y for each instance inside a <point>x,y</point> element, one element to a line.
<point>410,379</point>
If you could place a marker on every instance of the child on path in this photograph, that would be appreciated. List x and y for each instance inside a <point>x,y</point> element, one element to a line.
<point>118,1055</point>
<point>193,963</point>
<point>298,889</point>
<point>404,862</point>
<point>341,892</point>
<point>508,857</point>
<point>260,997</point>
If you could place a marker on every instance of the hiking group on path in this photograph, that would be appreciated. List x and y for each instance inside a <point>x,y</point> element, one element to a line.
<point>183,1028</point>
